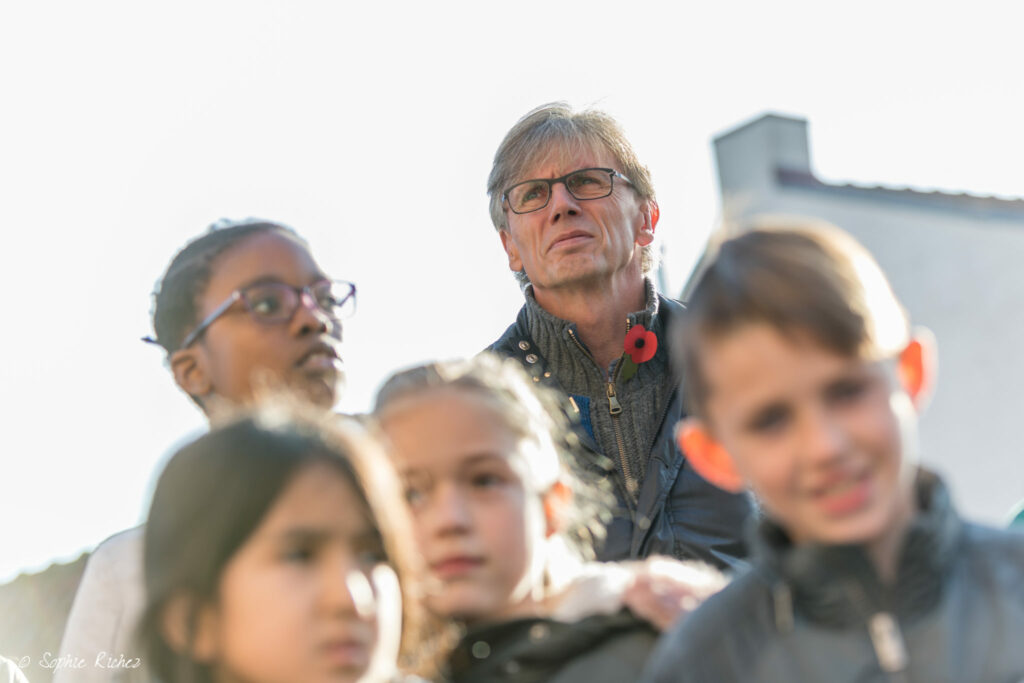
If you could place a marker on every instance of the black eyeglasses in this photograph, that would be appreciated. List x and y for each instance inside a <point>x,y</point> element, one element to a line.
<point>586,183</point>
<point>275,302</point>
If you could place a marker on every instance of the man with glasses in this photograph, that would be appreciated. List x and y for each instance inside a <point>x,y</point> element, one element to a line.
<point>576,213</point>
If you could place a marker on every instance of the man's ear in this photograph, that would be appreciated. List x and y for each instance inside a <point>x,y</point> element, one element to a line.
<point>515,264</point>
<point>189,370</point>
<point>651,213</point>
<point>177,631</point>
<point>708,456</point>
<point>917,367</point>
<point>557,500</point>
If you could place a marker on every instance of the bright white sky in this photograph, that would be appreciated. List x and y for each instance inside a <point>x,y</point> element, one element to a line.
<point>127,127</point>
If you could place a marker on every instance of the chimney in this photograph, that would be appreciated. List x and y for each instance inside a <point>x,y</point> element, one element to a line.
<point>749,155</point>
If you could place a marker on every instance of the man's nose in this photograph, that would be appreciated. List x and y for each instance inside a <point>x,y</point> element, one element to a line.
<point>562,203</point>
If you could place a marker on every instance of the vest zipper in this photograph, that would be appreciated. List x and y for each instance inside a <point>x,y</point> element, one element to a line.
<point>614,409</point>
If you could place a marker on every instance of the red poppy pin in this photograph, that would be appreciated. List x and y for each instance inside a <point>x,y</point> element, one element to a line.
<point>640,347</point>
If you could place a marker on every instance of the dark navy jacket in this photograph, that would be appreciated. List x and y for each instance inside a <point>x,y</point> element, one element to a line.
<point>678,513</point>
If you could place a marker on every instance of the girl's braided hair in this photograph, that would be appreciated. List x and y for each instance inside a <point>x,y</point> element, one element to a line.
<point>176,297</point>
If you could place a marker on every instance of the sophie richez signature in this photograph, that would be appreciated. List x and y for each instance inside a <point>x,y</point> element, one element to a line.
<point>103,660</point>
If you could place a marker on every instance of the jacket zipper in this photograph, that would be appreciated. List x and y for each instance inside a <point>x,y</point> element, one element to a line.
<point>888,642</point>
<point>614,409</point>
<point>886,637</point>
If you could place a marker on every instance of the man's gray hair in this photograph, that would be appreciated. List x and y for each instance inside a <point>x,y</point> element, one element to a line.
<point>553,126</point>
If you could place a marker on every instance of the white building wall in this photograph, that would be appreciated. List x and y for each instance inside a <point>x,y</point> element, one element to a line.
<point>959,273</point>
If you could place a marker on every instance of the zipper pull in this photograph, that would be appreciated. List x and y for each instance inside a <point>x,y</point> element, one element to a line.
<point>783,599</point>
<point>888,642</point>
<point>614,407</point>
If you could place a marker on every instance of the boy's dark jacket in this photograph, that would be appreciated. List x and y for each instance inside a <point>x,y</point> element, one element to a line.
<point>955,613</point>
<point>602,648</point>
<point>678,513</point>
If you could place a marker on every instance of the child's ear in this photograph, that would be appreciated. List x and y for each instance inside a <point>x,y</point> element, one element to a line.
<point>708,456</point>
<point>557,500</point>
<point>190,372</point>
<point>917,366</point>
<point>175,628</point>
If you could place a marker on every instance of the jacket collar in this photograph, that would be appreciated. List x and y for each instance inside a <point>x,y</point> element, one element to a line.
<point>534,649</point>
<point>551,332</point>
<point>838,585</point>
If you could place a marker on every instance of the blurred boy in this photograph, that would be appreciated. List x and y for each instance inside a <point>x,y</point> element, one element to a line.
<point>804,383</point>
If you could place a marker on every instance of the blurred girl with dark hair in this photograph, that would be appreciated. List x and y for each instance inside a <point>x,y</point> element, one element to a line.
<point>274,551</point>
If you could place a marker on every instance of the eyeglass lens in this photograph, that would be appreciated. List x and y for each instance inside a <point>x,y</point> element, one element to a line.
<point>589,183</point>
<point>277,302</point>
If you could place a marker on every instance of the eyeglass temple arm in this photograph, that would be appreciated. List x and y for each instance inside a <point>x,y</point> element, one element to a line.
<point>208,320</point>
